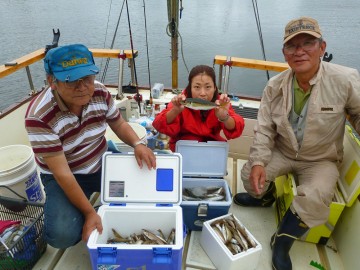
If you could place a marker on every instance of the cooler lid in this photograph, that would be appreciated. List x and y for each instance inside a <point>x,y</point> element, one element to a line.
<point>349,181</point>
<point>122,180</point>
<point>203,159</point>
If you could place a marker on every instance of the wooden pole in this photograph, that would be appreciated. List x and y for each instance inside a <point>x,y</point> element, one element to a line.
<point>174,24</point>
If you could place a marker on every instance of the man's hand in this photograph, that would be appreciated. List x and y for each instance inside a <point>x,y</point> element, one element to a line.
<point>257,178</point>
<point>143,153</point>
<point>92,222</point>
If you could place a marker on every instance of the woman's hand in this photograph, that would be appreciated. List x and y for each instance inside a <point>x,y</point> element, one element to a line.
<point>222,112</point>
<point>176,101</point>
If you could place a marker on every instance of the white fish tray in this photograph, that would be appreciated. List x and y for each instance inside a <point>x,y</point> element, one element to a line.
<point>221,256</point>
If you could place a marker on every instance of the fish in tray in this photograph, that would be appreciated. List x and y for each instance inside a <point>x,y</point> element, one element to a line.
<point>145,238</point>
<point>233,234</point>
<point>203,193</point>
<point>200,104</point>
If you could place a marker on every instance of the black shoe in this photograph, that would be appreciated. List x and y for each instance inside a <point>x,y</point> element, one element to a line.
<point>244,199</point>
<point>290,228</point>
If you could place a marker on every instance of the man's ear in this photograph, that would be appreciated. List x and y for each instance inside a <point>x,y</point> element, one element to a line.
<point>51,81</point>
<point>322,48</point>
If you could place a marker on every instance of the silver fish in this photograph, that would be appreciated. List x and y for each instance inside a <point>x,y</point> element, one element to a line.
<point>151,236</point>
<point>199,104</point>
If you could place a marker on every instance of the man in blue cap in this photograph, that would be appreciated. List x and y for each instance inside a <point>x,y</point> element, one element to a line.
<point>66,124</point>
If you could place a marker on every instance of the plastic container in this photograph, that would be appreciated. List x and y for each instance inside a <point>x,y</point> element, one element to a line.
<point>204,166</point>
<point>345,195</point>
<point>123,113</point>
<point>24,252</point>
<point>18,171</point>
<point>151,139</point>
<point>157,90</point>
<point>134,199</point>
<point>220,254</point>
<point>115,143</point>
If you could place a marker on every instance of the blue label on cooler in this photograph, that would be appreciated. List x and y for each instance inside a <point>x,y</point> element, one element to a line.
<point>33,188</point>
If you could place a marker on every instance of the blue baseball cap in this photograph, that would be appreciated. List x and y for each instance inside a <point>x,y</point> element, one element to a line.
<point>70,63</point>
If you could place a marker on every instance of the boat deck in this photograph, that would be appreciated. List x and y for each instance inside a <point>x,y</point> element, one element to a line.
<point>261,222</point>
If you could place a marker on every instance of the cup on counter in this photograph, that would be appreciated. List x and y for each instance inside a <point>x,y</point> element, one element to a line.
<point>157,90</point>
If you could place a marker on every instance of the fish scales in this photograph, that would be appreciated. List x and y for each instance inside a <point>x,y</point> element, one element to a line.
<point>200,104</point>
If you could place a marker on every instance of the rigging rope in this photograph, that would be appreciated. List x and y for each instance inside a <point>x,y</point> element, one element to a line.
<point>106,30</point>
<point>257,18</point>
<point>112,43</point>
<point>137,96</point>
<point>147,53</point>
<point>181,42</point>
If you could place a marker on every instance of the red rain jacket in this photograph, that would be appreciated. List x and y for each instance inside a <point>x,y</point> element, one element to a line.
<point>189,126</point>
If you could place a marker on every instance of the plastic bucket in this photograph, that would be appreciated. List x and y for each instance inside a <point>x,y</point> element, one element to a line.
<point>18,171</point>
<point>151,139</point>
<point>139,130</point>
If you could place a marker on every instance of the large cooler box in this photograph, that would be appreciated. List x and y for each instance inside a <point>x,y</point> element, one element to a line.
<point>345,195</point>
<point>220,254</point>
<point>204,167</point>
<point>135,199</point>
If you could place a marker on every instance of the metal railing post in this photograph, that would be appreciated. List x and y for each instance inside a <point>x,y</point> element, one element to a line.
<point>220,77</point>
<point>32,88</point>
<point>131,66</point>
<point>227,74</point>
<point>120,94</point>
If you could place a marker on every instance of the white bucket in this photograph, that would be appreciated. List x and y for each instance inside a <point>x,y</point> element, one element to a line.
<point>18,171</point>
<point>139,130</point>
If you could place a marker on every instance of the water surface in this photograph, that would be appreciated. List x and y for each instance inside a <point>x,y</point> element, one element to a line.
<point>207,28</point>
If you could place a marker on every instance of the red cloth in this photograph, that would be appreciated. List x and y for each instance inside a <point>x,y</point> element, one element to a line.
<point>188,126</point>
<point>4,224</point>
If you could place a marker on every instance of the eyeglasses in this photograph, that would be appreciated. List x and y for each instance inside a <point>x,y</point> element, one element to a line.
<point>307,46</point>
<point>87,81</point>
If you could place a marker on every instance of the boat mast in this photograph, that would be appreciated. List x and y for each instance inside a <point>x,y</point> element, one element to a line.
<point>173,13</point>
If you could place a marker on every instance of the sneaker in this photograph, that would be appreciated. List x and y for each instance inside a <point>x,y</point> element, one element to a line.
<point>244,199</point>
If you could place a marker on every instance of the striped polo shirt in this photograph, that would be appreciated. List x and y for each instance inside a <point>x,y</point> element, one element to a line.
<point>53,129</point>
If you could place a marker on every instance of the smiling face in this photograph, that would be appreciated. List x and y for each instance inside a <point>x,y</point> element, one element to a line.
<point>202,83</point>
<point>75,96</point>
<point>202,86</point>
<point>303,53</point>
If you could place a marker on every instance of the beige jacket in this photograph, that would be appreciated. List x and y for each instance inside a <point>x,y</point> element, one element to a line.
<point>335,93</point>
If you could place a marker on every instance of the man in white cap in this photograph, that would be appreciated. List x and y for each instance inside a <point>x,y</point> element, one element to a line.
<point>300,129</point>
<point>66,124</point>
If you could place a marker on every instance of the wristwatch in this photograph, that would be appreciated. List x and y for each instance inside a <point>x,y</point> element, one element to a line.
<point>139,142</point>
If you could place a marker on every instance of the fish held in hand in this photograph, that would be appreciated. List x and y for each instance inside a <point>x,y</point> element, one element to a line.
<point>200,104</point>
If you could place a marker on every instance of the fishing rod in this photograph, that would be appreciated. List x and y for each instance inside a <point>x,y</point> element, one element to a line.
<point>147,53</point>
<point>257,18</point>
<point>137,96</point>
<point>112,42</point>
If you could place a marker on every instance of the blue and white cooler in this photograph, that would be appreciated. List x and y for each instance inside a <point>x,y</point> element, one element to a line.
<point>204,168</point>
<point>135,199</point>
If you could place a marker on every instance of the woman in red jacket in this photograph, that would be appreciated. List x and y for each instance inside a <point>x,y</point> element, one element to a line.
<point>181,123</point>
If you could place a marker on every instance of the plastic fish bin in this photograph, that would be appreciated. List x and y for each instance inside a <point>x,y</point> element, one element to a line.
<point>204,167</point>
<point>135,199</point>
<point>24,249</point>
<point>345,195</point>
<point>220,254</point>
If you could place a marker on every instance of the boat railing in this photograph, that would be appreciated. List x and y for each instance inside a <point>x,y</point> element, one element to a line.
<point>31,58</point>
<point>224,62</point>
<point>227,62</point>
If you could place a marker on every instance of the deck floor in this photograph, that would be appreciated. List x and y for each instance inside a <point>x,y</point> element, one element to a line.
<point>260,222</point>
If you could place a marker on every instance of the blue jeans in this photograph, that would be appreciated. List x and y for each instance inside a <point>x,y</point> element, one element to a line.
<point>63,222</point>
